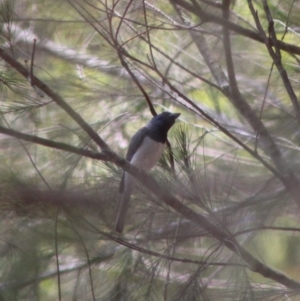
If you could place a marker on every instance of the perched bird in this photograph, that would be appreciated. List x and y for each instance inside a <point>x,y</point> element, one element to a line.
<point>145,149</point>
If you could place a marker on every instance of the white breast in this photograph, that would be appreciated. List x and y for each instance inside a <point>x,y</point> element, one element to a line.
<point>148,154</point>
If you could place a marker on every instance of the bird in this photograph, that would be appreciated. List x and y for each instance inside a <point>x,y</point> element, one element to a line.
<point>144,151</point>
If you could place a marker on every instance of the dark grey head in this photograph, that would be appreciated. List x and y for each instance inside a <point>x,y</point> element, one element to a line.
<point>160,124</point>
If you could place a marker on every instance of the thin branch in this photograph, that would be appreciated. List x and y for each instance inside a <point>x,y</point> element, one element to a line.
<point>171,59</point>
<point>234,90</point>
<point>148,33</point>
<point>29,156</point>
<point>107,155</point>
<point>121,51</point>
<point>282,170</point>
<point>276,56</point>
<point>207,17</point>
<point>32,59</point>
<point>234,95</point>
<point>55,97</point>
<point>226,238</point>
<point>196,109</point>
<point>207,55</point>
<point>48,275</point>
<point>122,18</point>
<point>57,254</point>
<point>261,228</point>
<point>88,260</point>
<point>268,144</point>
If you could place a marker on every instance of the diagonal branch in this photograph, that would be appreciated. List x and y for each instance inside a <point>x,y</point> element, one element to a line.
<point>207,17</point>
<point>288,178</point>
<point>53,144</point>
<point>55,97</point>
<point>109,156</point>
<point>275,54</point>
<point>200,41</point>
<point>224,237</point>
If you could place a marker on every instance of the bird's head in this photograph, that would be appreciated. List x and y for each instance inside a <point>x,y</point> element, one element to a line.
<point>163,122</point>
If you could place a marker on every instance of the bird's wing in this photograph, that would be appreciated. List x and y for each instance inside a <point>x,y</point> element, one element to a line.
<point>136,142</point>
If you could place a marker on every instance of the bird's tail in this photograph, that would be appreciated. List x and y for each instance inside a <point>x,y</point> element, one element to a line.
<point>123,204</point>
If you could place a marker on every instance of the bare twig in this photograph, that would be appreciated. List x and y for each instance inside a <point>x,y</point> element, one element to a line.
<point>148,33</point>
<point>55,97</point>
<point>207,17</point>
<point>87,259</point>
<point>32,59</point>
<point>276,56</point>
<point>245,109</point>
<point>57,254</point>
<point>107,155</point>
<point>206,53</point>
<point>221,235</point>
<point>121,53</point>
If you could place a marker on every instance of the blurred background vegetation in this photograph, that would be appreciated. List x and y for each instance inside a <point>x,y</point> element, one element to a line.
<point>231,68</point>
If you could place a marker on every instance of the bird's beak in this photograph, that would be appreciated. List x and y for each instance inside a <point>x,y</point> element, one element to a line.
<point>175,115</point>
